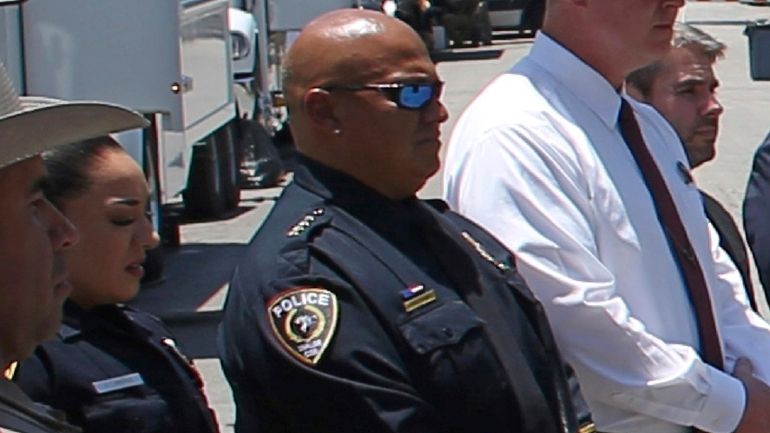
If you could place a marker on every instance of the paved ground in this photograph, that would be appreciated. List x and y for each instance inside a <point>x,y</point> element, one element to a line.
<point>192,296</point>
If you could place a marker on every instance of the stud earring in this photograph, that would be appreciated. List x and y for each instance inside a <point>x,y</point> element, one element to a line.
<point>337,131</point>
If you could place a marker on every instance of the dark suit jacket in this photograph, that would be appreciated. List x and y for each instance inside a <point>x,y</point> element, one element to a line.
<point>756,212</point>
<point>730,240</point>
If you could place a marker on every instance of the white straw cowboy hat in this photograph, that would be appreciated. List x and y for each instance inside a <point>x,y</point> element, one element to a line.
<point>30,125</point>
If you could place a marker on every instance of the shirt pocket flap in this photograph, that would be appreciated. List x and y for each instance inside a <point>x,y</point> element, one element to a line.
<point>443,326</point>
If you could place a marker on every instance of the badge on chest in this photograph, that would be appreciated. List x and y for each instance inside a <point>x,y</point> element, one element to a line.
<point>304,320</point>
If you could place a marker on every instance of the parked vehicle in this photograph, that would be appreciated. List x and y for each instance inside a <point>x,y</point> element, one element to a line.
<point>278,24</point>
<point>464,21</point>
<point>521,15</point>
<point>170,60</point>
<point>243,37</point>
<point>474,21</point>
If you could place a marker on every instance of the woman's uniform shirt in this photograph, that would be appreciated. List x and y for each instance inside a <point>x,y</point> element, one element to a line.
<point>114,369</point>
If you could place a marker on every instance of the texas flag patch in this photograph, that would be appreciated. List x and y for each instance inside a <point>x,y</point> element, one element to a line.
<point>304,320</point>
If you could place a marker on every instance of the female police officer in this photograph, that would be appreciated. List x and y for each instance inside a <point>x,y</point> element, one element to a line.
<point>111,369</point>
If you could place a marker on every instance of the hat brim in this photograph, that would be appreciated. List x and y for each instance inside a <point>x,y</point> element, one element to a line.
<point>45,123</point>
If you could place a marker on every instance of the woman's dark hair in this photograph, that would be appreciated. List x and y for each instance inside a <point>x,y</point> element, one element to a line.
<point>68,166</point>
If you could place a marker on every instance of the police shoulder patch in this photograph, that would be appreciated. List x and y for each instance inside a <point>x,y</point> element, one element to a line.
<point>304,320</point>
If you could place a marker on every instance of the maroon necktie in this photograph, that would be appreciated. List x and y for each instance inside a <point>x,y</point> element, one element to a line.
<point>677,236</point>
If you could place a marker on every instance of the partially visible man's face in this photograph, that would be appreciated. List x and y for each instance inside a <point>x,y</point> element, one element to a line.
<point>638,30</point>
<point>33,281</point>
<point>684,92</point>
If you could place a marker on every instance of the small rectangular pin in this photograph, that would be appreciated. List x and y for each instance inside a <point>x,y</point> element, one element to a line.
<point>118,383</point>
<point>417,296</point>
<point>412,291</point>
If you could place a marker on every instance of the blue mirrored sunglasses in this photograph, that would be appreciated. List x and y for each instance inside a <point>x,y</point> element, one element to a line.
<point>405,95</point>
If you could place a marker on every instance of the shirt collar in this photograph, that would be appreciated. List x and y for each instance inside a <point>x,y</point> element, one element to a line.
<point>345,191</point>
<point>577,77</point>
<point>103,318</point>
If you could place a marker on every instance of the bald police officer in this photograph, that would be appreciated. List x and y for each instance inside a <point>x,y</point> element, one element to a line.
<point>359,308</point>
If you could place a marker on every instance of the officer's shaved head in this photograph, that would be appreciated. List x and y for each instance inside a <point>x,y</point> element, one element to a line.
<point>346,44</point>
<point>339,118</point>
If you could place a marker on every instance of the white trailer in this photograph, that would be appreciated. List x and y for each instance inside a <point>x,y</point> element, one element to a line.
<point>168,59</point>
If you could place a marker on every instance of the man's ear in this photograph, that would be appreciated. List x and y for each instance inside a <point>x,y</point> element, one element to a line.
<point>319,108</point>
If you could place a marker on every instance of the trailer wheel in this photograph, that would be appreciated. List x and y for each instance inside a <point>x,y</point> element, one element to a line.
<point>204,195</point>
<point>229,163</point>
<point>154,266</point>
<point>212,186</point>
<point>155,263</point>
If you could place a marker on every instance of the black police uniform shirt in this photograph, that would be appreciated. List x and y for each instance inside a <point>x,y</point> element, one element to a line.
<point>113,369</point>
<point>339,318</point>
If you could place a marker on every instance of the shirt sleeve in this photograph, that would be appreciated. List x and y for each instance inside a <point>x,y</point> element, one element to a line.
<point>744,333</point>
<point>531,191</point>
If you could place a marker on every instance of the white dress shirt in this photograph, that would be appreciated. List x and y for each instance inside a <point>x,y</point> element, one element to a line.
<point>538,159</point>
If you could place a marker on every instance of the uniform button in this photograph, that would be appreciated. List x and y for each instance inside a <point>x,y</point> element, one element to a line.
<point>448,332</point>
<point>420,349</point>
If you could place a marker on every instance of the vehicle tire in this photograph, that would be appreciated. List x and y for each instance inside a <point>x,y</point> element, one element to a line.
<point>204,195</point>
<point>229,163</point>
<point>532,16</point>
<point>170,237</point>
<point>155,263</point>
<point>154,266</point>
<point>213,184</point>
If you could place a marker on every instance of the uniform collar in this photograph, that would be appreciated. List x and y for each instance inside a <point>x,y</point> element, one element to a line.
<point>101,318</point>
<point>342,189</point>
<point>338,189</point>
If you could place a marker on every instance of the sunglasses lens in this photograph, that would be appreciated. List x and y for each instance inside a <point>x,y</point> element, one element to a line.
<point>415,96</point>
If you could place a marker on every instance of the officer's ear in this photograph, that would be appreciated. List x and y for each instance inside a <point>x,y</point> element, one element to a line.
<point>319,107</point>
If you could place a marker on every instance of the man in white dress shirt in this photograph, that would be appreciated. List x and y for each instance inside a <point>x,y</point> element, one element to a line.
<point>539,160</point>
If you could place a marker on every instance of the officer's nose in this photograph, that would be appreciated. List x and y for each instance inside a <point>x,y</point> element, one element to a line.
<point>434,112</point>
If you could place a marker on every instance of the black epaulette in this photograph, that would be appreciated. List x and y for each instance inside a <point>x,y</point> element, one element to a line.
<point>500,265</point>
<point>300,235</point>
<point>442,207</point>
